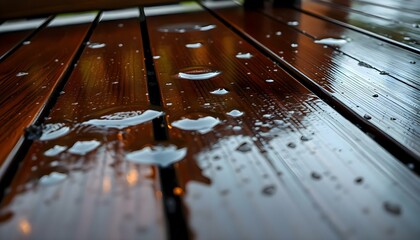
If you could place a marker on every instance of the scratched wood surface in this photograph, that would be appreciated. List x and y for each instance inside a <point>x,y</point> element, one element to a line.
<point>404,34</point>
<point>378,97</point>
<point>29,76</point>
<point>28,8</point>
<point>283,159</point>
<point>62,191</point>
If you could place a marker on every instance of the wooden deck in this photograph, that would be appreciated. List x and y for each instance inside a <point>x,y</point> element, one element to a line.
<point>209,121</point>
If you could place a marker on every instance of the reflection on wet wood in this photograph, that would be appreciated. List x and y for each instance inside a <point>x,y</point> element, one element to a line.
<point>412,6</point>
<point>29,76</point>
<point>404,34</point>
<point>75,182</point>
<point>27,8</point>
<point>370,92</point>
<point>265,154</point>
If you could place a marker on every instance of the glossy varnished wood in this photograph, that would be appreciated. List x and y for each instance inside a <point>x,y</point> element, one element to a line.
<point>403,34</point>
<point>379,99</point>
<point>29,76</point>
<point>402,5</point>
<point>100,195</point>
<point>289,161</point>
<point>26,8</point>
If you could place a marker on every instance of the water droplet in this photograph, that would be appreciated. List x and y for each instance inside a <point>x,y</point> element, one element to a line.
<point>244,147</point>
<point>392,208</point>
<point>383,73</point>
<point>57,149</point>
<point>120,45</point>
<point>291,145</point>
<point>415,25</point>
<point>331,41</point>
<point>198,73</point>
<point>358,180</point>
<point>407,38</point>
<point>316,176</point>
<point>202,125</point>
<point>294,45</point>
<point>237,128</point>
<point>363,64</point>
<point>269,190</point>
<point>393,119</point>
<point>269,80</point>
<point>52,178</point>
<point>235,113</point>
<point>411,166</point>
<point>122,120</point>
<point>375,95</point>
<point>156,57</point>
<point>268,116</point>
<point>158,155</point>
<point>366,116</point>
<point>120,25</point>
<point>96,45</point>
<point>244,55</point>
<point>21,74</point>
<point>83,147</point>
<point>194,45</point>
<point>413,62</point>
<point>305,138</point>
<point>219,91</point>
<point>26,42</point>
<point>53,131</point>
<point>278,33</point>
<point>293,23</point>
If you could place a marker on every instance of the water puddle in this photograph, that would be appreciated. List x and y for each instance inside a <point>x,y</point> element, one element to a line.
<point>122,120</point>
<point>194,45</point>
<point>83,147</point>
<point>96,45</point>
<point>244,55</point>
<point>187,27</point>
<point>52,178</point>
<point>202,125</point>
<point>53,131</point>
<point>220,91</point>
<point>57,149</point>
<point>235,113</point>
<point>158,155</point>
<point>331,41</point>
<point>198,73</point>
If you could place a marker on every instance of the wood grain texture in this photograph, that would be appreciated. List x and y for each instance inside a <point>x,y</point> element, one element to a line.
<point>381,100</point>
<point>403,34</point>
<point>27,8</point>
<point>289,161</point>
<point>97,195</point>
<point>29,76</point>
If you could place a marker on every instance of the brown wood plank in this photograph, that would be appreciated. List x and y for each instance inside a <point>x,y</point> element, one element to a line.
<point>29,76</point>
<point>379,100</point>
<point>97,195</point>
<point>13,33</point>
<point>387,58</point>
<point>290,167</point>
<point>411,19</point>
<point>402,34</point>
<point>26,8</point>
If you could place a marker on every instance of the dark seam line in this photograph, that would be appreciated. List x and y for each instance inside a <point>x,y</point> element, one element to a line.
<point>177,227</point>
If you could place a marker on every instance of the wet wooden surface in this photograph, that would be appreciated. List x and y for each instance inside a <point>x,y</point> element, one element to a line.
<point>388,102</point>
<point>252,141</point>
<point>97,194</point>
<point>288,160</point>
<point>401,5</point>
<point>29,76</point>
<point>28,8</point>
<point>404,34</point>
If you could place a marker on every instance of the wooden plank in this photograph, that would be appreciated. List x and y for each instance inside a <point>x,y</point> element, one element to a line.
<point>29,76</point>
<point>289,161</point>
<point>379,100</point>
<point>387,58</point>
<point>411,19</point>
<point>402,5</point>
<point>401,34</point>
<point>97,195</point>
<point>26,8</point>
<point>13,33</point>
